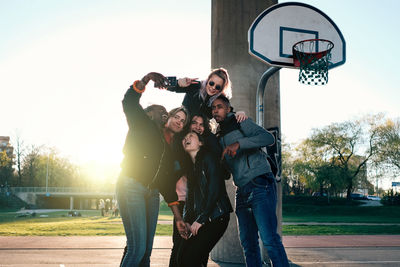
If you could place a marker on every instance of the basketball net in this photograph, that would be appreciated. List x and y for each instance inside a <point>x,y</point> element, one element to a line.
<point>313,58</point>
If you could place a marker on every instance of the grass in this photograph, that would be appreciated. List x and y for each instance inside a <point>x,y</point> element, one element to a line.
<point>92,224</point>
<point>57,224</point>
<point>340,230</point>
<point>347,214</point>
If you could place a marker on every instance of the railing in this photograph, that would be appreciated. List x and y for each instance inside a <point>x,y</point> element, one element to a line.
<point>71,190</point>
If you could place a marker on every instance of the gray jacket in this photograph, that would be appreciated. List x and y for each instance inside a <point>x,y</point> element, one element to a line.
<point>250,161</point>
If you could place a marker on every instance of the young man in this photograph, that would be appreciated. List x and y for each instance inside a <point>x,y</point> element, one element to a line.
<point>147,169</point>
<point>256,189</point>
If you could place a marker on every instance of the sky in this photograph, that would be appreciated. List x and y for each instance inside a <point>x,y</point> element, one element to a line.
<point>65,66</point>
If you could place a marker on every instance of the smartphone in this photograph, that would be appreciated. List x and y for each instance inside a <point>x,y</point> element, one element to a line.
<point>172,81</point>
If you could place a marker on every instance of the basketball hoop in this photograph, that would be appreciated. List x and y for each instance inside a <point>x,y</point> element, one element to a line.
<point>313,58</point>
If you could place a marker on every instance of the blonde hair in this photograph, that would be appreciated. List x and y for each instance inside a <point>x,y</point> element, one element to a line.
<point>173,112</point>
<point>226,88</point>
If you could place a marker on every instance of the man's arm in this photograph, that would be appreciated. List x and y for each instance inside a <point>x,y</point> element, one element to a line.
<point>255,136</point>
<point>133,110</point>
<point>180,224</point>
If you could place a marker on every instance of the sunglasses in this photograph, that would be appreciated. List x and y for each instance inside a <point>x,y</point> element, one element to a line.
<point>217,87</point>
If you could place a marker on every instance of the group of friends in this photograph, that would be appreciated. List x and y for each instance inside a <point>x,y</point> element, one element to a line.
<point>176,154</point>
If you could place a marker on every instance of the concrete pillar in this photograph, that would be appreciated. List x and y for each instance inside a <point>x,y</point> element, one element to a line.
<point>71,203</point>
<point>231,20</point>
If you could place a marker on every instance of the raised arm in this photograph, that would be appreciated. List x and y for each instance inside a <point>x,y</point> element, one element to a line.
<point>133,110</point>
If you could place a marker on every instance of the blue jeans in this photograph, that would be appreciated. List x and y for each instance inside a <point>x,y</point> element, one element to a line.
<point>256,213</point>
<point>139,208</point>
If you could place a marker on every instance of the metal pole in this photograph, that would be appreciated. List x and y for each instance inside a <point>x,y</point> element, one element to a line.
<point>260,121</point>
<point>47,173</point>
<point>260,94</point>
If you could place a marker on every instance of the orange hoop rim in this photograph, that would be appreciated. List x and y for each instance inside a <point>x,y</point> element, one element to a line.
<point>317,55</point>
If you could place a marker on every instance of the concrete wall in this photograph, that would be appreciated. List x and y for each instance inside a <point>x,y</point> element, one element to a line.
<point>29,198</point>
<point>231,20</point>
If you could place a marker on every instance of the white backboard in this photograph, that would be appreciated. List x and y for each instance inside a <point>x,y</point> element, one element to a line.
<point>275,31</point>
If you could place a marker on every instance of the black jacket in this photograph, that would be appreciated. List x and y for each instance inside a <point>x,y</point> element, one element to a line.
<point>147,158</point>
<point>207,198</point>
<point>192,100</point>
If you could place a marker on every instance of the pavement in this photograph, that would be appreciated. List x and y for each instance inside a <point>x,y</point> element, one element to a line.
<point>101,251</point>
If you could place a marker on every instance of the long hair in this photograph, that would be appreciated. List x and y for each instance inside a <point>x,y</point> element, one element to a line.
<point>206,123</point>
<point>226,88</point>
<point>173,112</point>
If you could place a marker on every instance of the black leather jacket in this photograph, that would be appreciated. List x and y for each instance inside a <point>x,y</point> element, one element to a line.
<point>192,100</point>
<point>207,198</point>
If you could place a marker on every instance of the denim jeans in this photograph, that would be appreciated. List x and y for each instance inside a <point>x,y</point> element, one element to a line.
<point>139,208</point>
<point>256,213</point>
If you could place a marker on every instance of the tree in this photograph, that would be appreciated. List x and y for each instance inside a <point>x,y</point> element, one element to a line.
<point>389,144</point>
<point>286,174</point>
<point>6,169</point>
<point>62,173</point>
<point>317,171</point>
<point>19,153</point>
<point>30,166</point>
<point>348,146</point>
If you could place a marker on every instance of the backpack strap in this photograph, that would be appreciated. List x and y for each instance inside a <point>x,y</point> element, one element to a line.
<point>271,157</point>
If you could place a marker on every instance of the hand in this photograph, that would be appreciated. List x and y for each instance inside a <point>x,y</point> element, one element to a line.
<point>188,226</point>
<point>183,229</point>
<point>185,82</point>
<point>159,80</point>
<point>241,116</point>
<point>231,150</point>
<point>195,228</point>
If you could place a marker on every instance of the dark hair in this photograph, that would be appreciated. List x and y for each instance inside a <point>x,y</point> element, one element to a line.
<point>206,123</point>
<point>225,100</point>
<point>201,138</point>
<point>152,107</point>
<point>173,112</point>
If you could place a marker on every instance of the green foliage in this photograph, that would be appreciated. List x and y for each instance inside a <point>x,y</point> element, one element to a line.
<point>39,163</point>
<point>334,158</point>
<point>391,199</point>
<point>6,170</point>
<point>389,144</point>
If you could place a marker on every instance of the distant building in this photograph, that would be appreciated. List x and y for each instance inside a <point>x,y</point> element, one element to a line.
<point>6,146</point>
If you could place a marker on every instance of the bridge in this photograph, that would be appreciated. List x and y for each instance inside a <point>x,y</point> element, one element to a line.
<point>62,197</point>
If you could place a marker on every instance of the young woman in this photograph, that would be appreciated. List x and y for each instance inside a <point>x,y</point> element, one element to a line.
<point>200,95</point>
<point>207,204</point>
<point>200,125</point>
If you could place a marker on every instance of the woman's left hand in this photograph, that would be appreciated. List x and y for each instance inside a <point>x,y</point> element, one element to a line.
<point>195,228</point>
<point>241,116</point>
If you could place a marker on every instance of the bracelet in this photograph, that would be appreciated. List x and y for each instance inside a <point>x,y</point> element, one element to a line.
<point>137,89</point>
<point>173,203</point>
